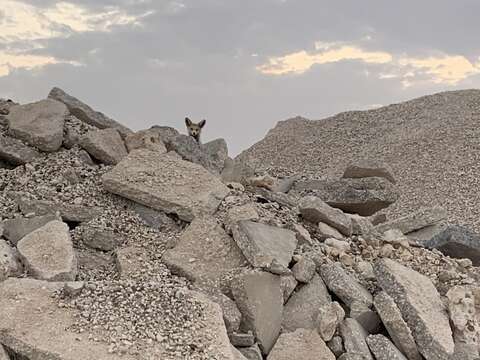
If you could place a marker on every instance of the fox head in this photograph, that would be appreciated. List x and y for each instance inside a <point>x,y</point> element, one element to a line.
<point>194,129</point>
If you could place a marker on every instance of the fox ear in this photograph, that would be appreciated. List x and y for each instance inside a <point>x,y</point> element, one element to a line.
<point>188,122</point>
<point>202,123</point>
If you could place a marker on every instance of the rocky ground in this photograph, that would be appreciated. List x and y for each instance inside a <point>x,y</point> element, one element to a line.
<point>147,245</point>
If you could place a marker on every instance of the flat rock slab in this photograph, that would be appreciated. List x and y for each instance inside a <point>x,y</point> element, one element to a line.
<point>15,229</point>
<point>415,221</point>
<point>48,253</point>
<point>39,124</point>
<point>421,307</point>
<point>68,212</point>
<point>260,300</point>
<point>204,252</point>
<point>301,310</point>
<point>14,152</point>
<point>316,210</point>
<point>368,168</point>
<point>302,344</point>
<point>383,349</point>
<point>344,285</point>
<point>354,338</point>
<point>422,236</point>
<point>263,245</point>
<point>85,113</point>
<point>105,145</point>
<point>364,196</point>
<point>457,242</point>
<point>167,183</point>
<point>397,327</point>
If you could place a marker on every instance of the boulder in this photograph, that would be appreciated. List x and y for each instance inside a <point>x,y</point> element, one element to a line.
<point>457,242</point>
<point>301,310</point>
<point>85,113</point>
<point>415,221</point>
<point>14,152</point>
<point>48,253</point>
<point>264,246</point>
<point>191,150</point>
<point>364,196</point>
<point>145,139</point>
<point>315,210</point>
<point>260,300</point>
<point>217,151</point>
<point>68,212</point>
<point>368,168</point>
<point>344,285</point>
<point>328,319</point>
<point>39,124</point>
<point>9,262</point>
<point>383,349</point>
<point>204,252</point>
<point>354,338</point>
<point>167,183</point>
<point>302,344</point>
<point>420,306</point>
<point>106,145</point>
<point>165,132</point>
<point>236,171</point>
<point>17,228</point>
<point>304,270</point>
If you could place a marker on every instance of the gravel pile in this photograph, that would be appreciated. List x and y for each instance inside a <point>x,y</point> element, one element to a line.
<point>431,143</point>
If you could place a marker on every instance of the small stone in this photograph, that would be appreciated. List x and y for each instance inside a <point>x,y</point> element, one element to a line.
<point>341,245</point>
<point>302,234</point>
<point>328,318</point>
<point>304,270</point>
<point>288,283</point>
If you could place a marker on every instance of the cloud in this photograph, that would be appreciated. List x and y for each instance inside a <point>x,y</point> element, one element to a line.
<point>9,61</point>
<point>441,69</point>
<point>24,22</point>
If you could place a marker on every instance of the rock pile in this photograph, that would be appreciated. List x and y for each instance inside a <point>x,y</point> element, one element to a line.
<point>123,245</point>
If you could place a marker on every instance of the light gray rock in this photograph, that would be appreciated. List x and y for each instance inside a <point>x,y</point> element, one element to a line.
<point>237,354</point>
<point>354,338</point>
<point>252,352</point>
<point>39,124</point>
<point>48,253</point>
<point>231,314</point>
<point>85,113</point>
<point>3,353</point>
<point>383,349</point>
<point>284,185</point>
<point>14,152</point>
<point>422,236</point>
<point>17,228</point>
<point>421,307</point>
<point>364,196</point>
<point>361,225</point>
<point>302,234</point>
<point>395,237</point>
<point>68,212</point>
<point>105,240</point>
<point>344,285</point>
<point>154,218</point>
<point>302,344</point>
<point>236,171</point>
<point>282,199</point>
<point>301,310</point>
<point>264,246</point>
<point>190,150</point>
<point>288,283</point>
<point>242,339</point>
<point>239,213</point>
<point>204,252</point>
<point>9,262</point>
<point>328,319</point>
<point>304,270</point>
<point>341,246</point>
<point>397,328</point>
<point>260,300</point>
<point>416,220</point>
<point>328,231</point>
<point>315,210</point>
<point>165,132</point>
<point>166,183</point>
<point>366,317</point>
<point>106,145</point>
<point>457,242</point>
<point>368,168</point>
<point>145,139</point>
<point>336,346</point>
<point>217,151</point>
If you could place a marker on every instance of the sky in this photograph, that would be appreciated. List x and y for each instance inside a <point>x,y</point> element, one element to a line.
<point>243,65</point>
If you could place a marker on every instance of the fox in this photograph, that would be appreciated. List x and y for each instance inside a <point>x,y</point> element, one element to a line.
<point>193,129</point>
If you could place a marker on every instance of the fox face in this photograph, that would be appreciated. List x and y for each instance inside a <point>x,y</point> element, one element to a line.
<point>194,129</point>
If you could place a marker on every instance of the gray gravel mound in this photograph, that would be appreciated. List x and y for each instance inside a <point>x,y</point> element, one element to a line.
<point>431,144</point>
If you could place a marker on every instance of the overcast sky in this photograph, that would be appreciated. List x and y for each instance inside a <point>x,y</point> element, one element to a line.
<point>242,65</point>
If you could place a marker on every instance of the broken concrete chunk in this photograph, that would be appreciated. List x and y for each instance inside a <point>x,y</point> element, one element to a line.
<point>260,300</point>
<point>106,145</point>
<point>265,246</point>
<point>166,183</point>
<point>302,344</point>
<point>48,253</point>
